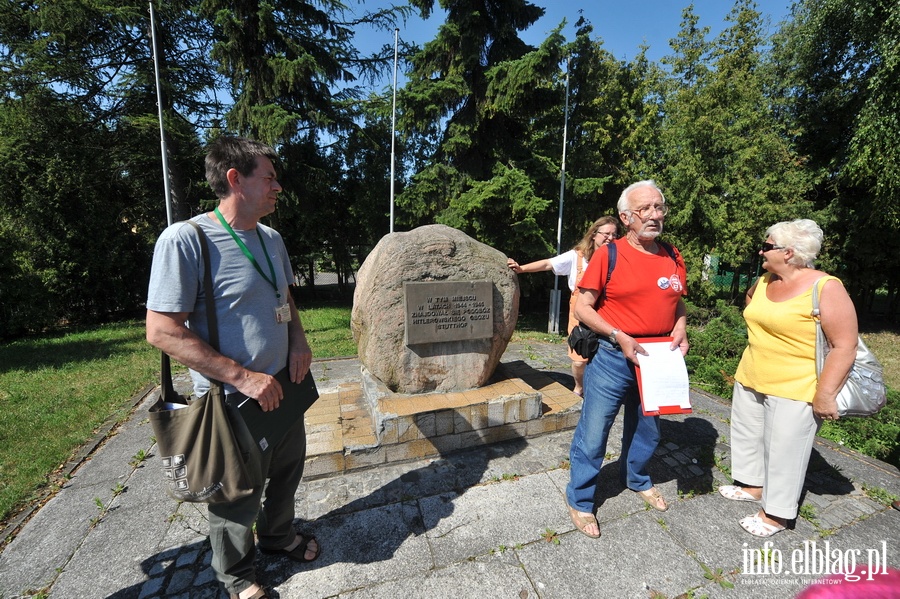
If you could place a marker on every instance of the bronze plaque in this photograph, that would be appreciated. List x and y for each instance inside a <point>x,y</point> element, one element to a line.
<point>448,311</point>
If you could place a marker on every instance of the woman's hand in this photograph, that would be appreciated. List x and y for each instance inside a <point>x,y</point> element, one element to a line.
<point>826,409</point>
<point>514,266</point>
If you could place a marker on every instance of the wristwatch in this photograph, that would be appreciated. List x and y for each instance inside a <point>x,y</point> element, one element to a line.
<point>612,336</point>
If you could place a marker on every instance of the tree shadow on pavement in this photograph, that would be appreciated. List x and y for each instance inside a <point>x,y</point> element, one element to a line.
<point>374,526</point>
<point>685,454</point>
<point>368,529</point>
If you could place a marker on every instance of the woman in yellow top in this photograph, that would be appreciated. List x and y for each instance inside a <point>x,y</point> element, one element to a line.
<point>573,264</point>
<point>778,403</point>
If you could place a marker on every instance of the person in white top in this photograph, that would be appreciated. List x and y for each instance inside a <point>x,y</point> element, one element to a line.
<point>573,264</point>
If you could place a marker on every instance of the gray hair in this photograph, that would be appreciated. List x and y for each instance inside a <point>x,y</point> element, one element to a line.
<point>803,236</point>
<point>624,205</point>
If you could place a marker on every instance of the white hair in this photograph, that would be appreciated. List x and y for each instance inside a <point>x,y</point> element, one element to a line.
<point>624,205</point>
<point>803,236</point>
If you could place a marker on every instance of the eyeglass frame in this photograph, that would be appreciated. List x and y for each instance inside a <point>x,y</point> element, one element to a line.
<point>661,208</point>
<point>768,247</point>
<point>614,234</point>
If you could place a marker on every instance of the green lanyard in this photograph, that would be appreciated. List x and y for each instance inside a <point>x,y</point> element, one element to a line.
<point>249,255</point>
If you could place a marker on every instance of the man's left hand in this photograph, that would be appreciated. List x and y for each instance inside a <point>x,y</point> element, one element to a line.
<point>679,340</point>
<point>299,361</point>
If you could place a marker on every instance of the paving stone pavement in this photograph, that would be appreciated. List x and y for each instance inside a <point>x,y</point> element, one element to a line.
<point>486,522</point>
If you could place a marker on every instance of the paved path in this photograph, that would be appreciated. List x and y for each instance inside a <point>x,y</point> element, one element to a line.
<point>488,522</point>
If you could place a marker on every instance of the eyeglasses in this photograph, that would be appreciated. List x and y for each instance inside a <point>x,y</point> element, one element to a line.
<point>646,211</point>
<point>605,234</point>
<point>768,247</point>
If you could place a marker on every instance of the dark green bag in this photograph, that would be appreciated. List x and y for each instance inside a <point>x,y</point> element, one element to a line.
<point>205,447</point>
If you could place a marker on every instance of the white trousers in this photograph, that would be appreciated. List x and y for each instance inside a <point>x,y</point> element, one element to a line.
<point>771,441</point>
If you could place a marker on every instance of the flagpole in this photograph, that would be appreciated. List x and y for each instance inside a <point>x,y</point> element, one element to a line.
<point>555,296</point>
<point>394,125</point>
<point>159,105</point>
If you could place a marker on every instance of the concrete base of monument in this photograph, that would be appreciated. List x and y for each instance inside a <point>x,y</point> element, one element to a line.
<point>364,424</point>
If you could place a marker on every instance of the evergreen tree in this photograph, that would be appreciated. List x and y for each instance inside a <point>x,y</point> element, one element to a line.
<point>474,91</point>
<point>840,71</point>
<point>729,169</point>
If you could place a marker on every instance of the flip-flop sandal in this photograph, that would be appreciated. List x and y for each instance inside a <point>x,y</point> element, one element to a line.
<point>298,553</point>
<point>582,521</point>
<point>735,493</point>
<point>652,497</point>
<point>756,527</point>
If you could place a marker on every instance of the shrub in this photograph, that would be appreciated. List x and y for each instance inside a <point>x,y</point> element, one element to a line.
<point>877,436</point>
<point>718,338</point>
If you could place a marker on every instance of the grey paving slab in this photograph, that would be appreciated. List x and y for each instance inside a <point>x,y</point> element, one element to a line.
<point>489,576</point>
<point>485,518</point>
<point>359,550</point>
<point>634,557</point>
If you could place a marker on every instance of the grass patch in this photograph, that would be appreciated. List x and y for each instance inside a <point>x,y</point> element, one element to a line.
<point>327,328</point>
<point>56,391</point>
<point>885,344</point>
<point>533,327</point>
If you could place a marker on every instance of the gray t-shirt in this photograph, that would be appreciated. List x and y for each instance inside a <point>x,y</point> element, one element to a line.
<point>245,301</point>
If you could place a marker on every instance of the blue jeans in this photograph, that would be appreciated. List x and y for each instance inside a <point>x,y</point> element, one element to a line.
<point>609,383</point>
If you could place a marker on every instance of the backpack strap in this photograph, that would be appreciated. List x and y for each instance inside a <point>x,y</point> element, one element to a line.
<point>669,250</point>
<point>611,253</point>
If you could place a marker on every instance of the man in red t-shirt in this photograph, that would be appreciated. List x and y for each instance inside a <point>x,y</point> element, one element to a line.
<point>643,298</point>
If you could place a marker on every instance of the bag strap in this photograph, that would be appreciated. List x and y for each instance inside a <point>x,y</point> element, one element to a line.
<point>167,389</point>
<point>816,313</point>
<point>669,250</point>
<point>611,254</point>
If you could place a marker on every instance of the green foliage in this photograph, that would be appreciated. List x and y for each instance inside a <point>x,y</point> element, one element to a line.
<point>725,158</point>
<point>717,339</point>
<point>73,253</point>
<point>839,65</point>
<point>475,92</point>
<point>740,131</point>
<point>877,436</point>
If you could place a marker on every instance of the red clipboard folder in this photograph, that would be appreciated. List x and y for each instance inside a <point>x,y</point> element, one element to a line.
<point>663,410</point>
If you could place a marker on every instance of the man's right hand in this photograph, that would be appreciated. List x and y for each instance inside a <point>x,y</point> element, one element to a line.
<point>263,388</point>
<point>630,347</point>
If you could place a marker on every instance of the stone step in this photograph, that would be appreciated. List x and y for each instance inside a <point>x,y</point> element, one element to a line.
<point>348,431</point>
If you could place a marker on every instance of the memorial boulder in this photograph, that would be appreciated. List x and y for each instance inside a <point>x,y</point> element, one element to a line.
<point>433,310</point>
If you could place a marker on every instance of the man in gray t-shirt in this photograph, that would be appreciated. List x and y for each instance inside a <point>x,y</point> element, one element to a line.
<point>260,333</point>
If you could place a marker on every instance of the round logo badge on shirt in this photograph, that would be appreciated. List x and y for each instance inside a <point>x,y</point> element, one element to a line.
<point>662,283</point>
<point>675,282</point>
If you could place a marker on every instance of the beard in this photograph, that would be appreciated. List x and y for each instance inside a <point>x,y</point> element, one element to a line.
<point>643,233</point>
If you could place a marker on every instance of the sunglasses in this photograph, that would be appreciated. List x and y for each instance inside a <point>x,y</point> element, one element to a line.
<point>768,247</point>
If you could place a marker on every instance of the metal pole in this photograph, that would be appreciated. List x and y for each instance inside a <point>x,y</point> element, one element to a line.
<point>159,105</point>
<point>394,124</point>
<point>555,296</point>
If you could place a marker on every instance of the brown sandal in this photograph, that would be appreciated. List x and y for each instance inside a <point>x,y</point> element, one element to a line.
<point>652,497</point>
<point>582,521</point>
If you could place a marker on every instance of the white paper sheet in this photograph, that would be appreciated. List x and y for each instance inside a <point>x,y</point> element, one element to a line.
<point>664,377</point>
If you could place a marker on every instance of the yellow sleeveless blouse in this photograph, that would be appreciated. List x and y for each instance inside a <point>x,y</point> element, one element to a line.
<point>780,358</point>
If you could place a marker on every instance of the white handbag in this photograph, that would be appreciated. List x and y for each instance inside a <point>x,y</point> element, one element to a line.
<point>863,394</point>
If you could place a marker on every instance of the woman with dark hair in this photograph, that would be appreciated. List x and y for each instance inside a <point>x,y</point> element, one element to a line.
<point>573,264</point>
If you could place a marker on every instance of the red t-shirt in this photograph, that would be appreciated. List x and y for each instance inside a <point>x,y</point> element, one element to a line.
<point>643,292</point>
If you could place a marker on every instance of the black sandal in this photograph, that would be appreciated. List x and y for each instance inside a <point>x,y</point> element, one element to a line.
<point>298,553</point>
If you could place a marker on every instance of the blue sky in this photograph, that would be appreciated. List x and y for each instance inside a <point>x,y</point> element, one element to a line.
<point>622,25</point>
